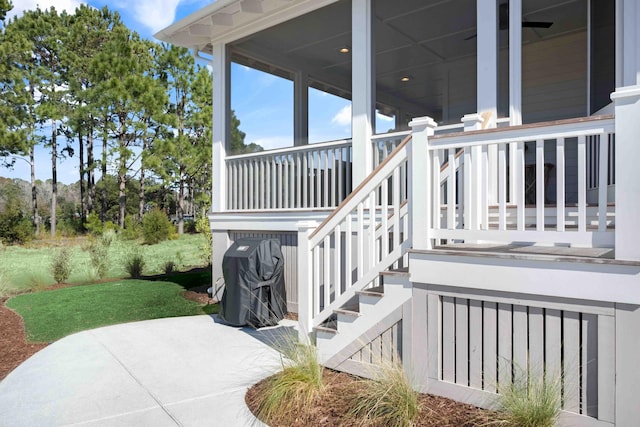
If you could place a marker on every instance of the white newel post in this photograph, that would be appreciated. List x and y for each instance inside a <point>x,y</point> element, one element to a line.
<point>363,89</point>
<point>305,281</point>
<point>419,175</point>
<point>627,116</point>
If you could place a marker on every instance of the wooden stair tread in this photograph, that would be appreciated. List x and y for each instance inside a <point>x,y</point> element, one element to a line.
<point>375,291</point>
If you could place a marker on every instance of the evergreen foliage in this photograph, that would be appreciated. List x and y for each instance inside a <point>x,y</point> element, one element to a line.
<point>156,227</point>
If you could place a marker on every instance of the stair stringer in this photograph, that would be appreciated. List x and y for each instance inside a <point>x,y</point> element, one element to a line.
<point>336,350</point>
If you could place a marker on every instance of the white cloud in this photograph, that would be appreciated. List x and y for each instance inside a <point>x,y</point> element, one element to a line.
<point>20,6</point>
<point>343,117</point>
<point>153,14</point>
<point>271,142</point>
<point>382,117</point>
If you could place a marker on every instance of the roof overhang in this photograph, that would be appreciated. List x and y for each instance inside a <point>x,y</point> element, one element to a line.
<point>225,21</point>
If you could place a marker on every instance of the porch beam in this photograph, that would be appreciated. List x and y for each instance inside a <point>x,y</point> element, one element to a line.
<point>363,88</point>
<point>628,40</point>
<point>220,76</point>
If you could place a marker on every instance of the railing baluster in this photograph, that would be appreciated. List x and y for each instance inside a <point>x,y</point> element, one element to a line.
<point>337,256</point>
<point>326,202</point>
<point>316,280</point>
<point>502,187</point>
<point>245,186</point>
<point>582,184</point>
<point>286,183</point>
<point>384,218</point>
<point>451,191</point>
<point>520,184</point>
<point>348,254</point>
<point>371,244</point>
<point>540,196</point>
<point>466,210</point>
<point>360,240</point>
<point>602,182</point>
<point>327,270</point>
<point>395,192</point>
<point>560,186</point>
<point>435,190</point>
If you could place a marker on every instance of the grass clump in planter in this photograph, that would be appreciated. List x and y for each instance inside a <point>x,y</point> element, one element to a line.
<point>61,265</point>
<point>134,264</point>
<point>386,400</point>
<point>531,402</point>
<point>288,394</point>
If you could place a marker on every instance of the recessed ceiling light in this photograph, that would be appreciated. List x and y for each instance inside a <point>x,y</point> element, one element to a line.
<point>405,79</point>
<point>344,49</point>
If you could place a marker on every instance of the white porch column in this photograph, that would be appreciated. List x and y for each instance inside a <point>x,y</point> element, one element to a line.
<point>362,88</point>
<point>627,104</point>
<point>419,185</point>
<point>301,109</point>
<point>515,62</point>
<point>487,59</point>
<point>220,108</point>
<point>628,43</point>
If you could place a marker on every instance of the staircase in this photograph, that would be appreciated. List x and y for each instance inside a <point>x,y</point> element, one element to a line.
<point>369,329</point>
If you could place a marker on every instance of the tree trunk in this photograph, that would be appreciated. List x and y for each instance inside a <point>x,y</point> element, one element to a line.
<point>83,212</point>
<point>122,197</point>
<point>141,195</point>
<point>103,207</point>
<point>54,178</point>
<point>91,183</point>
<point>181,204</point>
<point>34,191</point>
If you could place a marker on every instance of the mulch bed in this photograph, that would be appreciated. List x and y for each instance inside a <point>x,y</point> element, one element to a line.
<point>14,348</point>
<point>330,410</point>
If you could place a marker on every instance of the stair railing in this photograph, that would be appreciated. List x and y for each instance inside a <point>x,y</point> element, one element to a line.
<point>365,235</point>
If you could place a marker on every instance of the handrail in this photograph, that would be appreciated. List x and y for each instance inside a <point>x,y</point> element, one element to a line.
<point>291,150</point>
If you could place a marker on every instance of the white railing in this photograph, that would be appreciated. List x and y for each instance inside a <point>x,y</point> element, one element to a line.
<point>366,235</point>
<point>310,176</point>
<point>524,184</point>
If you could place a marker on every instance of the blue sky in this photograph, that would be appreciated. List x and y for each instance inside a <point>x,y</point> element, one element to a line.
<point>262,102</point>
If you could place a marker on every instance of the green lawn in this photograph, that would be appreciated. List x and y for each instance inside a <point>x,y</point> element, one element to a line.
<point>23,268</point>
<point>51,315</point>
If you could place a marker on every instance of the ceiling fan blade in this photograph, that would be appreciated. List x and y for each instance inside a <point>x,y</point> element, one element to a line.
<point>537,24</point>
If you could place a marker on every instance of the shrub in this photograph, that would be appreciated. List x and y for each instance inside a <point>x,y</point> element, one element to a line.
<point>156,227</point>
<point>98,248</point>
<point>292,391</point>
<point>190,226</point>
<point>531,402</point>
<point>132,229</point>
<point>93,224</point>
<point>389,399</point>
<point>202,226</point>
<point>15,227</point>
<point>134,265</point>
<point>169,267</point>
<point>61,265</point>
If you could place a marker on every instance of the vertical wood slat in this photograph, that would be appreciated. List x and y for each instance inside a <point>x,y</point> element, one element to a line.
<point>520,187</point>
<point>602,182</point>
<point>462,342</point>
<point>606,360</point>
<point>560,185</point>
<point>490,340</point>
<point>245,187</point>
<point>340,174</point>
<point>520,335</point>
<point>286,187</point>
<point>540,196</point>
<point>318,172</point>
<point>251,182</point>
<point>305,181</point>
<point>582,184</point>
<point>590,365</point>
<point>371,243</point>
<point>571,361</point>
<point>484,196</point>
<point>451,190</point>
<point>349,175</point>
<point>448,339</point>
<point>502,188</point>
<point>475,344</point>
<point>513,172</point>
<point>325,200</point>
<point>505,351</point>
<point>388,346</point>
<point>274,183</point>
<point>395,179</point>
<point>553,345</point>
<point>360,242</point>
<point>536,343</point>
<point>434,338</point>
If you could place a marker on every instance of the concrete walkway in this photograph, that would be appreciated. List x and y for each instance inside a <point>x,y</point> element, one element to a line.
<point>188,371</point>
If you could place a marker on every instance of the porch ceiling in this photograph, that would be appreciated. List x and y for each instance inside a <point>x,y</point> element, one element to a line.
<point>422,39</point>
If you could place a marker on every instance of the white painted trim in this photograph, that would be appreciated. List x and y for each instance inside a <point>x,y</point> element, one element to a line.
<point>607,282</point>
<point>487,59</point>
<point>265,221</point>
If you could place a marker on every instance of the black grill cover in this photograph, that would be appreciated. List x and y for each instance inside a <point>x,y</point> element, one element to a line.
<point>254,293</point>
